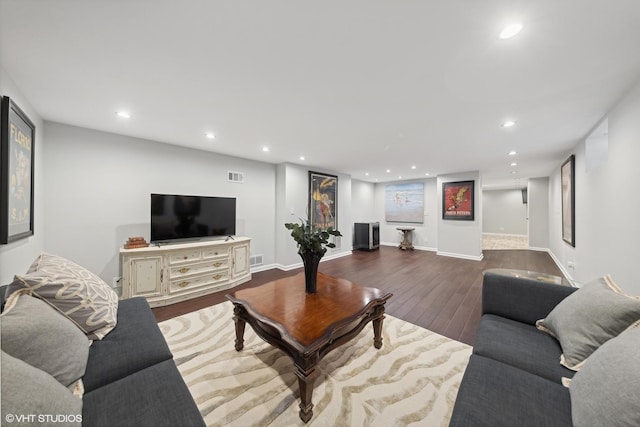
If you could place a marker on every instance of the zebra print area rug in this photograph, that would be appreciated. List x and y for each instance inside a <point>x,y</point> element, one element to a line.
<point>412,380</point>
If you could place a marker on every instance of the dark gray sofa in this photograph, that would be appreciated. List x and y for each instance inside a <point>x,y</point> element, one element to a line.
<point>131,378</point>
<point>514,374</point>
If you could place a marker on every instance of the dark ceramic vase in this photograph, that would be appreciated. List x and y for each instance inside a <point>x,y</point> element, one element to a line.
<point>310,261</point>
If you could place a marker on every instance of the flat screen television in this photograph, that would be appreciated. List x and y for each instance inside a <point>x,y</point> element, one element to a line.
<point>179,217</point>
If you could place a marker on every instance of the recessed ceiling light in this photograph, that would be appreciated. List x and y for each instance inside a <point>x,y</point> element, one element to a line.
<point>426,174</point>
<point>510,31</point>
<point>265,149</point>
<point>399,176</point>
<point>123,114</point>
<point>514,164</point>
<point>512,153</point>
<point>508,124</point>
<point>514,172</point>
<point>413,167</point>
<point>366,174</point>
<point>301,157</point>
<point>388,170</point>
<point>209,135</point>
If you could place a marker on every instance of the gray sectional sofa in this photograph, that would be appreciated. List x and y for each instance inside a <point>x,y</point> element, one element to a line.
<point>131,378</point>
<point>514,377</point>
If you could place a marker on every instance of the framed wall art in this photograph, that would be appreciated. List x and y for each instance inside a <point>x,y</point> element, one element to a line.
<point>458,200</point>
<point>567,177</point>
<point>323,200</point>
<point>404,202</point>
<point>17,141</point>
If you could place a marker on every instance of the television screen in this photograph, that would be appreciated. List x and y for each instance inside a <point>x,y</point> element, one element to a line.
<point>190,217</point>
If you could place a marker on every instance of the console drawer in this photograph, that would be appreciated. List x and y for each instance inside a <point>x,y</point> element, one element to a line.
<point>180,284</point>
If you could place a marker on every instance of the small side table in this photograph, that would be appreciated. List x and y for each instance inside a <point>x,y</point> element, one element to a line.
<point>406,243</point>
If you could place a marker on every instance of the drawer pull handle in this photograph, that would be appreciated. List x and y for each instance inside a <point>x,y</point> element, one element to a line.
<point>184,270</point>
<point>183,284</point>
<point>217,264</point>
<point>217,276</point>
<point>185,257</point>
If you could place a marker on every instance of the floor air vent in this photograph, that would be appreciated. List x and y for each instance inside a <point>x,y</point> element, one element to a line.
<point>255,260</point>
<point>236,177</point>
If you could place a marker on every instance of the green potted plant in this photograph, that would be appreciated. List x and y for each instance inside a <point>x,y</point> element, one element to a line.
<point>312,245</point>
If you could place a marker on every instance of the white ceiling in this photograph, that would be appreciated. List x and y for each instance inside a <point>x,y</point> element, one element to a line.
<point>355,86</point>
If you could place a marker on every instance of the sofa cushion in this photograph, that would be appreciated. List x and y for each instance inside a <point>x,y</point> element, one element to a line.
<point>606,391</point>
<point>28,391</point>
<point>156,396</point>
<point>74,291</point>
<point>494,394</point>
<point>520,345</point>
<point>519,298</point>
<point>134,344</point>
<point>35,333</point>
<point>589,317</point>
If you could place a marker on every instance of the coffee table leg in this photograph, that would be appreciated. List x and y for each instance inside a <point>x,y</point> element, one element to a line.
<point>305,384</point>
<point>239,327</point>
<point>377,327</point>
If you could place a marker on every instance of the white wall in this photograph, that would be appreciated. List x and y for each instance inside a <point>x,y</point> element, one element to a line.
<point>503,212</point>
<point>607,223</point>
<point>538,193</point>
<point>425,235</point>
<point>363,201</point>
<point>293,201</point>
<point>461,239</point>
<point>98,186</point>
<point>16,257</point>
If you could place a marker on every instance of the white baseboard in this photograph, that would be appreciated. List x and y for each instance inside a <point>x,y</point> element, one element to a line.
<point>419,248</point>
<point>561,267</point>
<point>263,267</point>
<point>300,264</point>
<point>505,235</point>
<point>462,256</point>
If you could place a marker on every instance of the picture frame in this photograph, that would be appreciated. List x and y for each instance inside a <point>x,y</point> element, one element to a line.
<point>567,180</point>
<point>404,202</point>
<point>323,200</point>
<point>458,200</point>
<point>17,146</point>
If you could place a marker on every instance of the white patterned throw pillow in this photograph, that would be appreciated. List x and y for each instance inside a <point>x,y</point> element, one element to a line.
<point>72,290</point>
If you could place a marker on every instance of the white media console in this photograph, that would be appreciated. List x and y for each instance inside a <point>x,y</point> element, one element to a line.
<point>176,272</point>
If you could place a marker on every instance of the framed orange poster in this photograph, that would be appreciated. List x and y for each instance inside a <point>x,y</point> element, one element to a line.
<point>458,200</point>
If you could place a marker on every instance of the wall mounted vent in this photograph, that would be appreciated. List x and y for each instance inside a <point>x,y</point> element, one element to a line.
<point>236,177</point>
<point>255,260</point>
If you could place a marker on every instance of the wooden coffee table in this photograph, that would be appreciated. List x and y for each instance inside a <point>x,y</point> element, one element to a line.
<point>307,326</point>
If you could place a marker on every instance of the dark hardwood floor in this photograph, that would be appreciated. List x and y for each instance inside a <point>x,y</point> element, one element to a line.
<point>438,293</point>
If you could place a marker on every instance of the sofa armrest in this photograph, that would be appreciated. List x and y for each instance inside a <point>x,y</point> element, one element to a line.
<point>518,298</point>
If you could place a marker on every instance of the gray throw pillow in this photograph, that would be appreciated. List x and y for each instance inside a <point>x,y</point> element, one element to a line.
<point>38,335</point>
<point>589,317</point>
<point>74,291</point>
<point>28,391</point>
<point>606,391</point>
